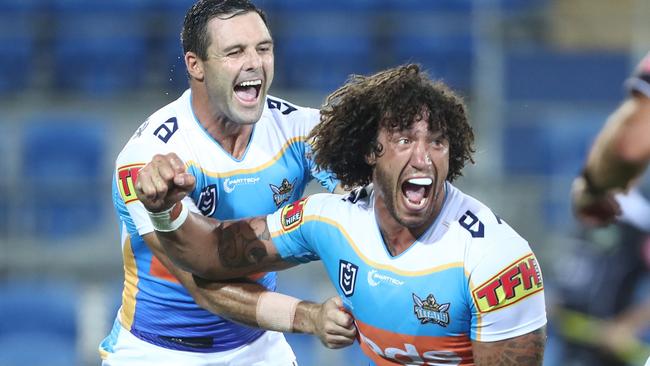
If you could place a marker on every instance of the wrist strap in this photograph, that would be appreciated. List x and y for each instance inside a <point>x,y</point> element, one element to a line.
<point>276,311</point>
<point>170,219</point>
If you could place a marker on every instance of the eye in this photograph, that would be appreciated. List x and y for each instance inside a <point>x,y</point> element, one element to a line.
<point>264,49</point>
<point>403,141</point>
<point>234,53</point>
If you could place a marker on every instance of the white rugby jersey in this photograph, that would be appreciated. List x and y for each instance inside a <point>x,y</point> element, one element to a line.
<point>274,171</point>
<point>468,277</point>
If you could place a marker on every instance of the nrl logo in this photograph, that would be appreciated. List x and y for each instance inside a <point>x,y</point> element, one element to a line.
<point>282,193</point>
<point>208,200</point>
<point>429,311</point>
<point>347,277</point>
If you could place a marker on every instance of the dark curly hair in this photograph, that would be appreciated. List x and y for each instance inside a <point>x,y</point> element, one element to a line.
<point>353,115</point>
<point>195,37</point>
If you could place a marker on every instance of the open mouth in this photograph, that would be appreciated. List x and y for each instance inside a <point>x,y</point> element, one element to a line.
<point>417,190</point>
<point>248,91</point>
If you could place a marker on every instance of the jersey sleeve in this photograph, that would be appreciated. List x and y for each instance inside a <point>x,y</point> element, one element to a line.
<point>136,154</point>
<point>506,287</point>
<point>640,80</point>
<point>291,232</point>
<point>326,179</point>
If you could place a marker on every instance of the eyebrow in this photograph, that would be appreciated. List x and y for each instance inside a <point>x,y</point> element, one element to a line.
<point>241,46</point>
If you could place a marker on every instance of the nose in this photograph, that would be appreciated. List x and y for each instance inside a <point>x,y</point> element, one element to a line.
<point>253,60</point>
<point>420,156</point>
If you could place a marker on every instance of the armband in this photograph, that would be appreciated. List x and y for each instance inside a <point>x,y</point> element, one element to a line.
<point>276,311</point>
<point>170,219</point>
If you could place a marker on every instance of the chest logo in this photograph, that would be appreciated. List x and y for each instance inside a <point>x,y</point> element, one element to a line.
<point>229,184</point>
<point>375,278</point>
<point>430,311</point>
<point>347,277</point>
<point>282,193</point>
<point>208,200</point>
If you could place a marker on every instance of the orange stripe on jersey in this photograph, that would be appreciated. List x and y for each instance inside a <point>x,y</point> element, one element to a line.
<point>130,285</point>
<point>159,270</point>
<point>387,348</point>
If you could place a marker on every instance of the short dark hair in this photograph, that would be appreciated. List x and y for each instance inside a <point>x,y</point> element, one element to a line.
<point>195,37</point>
<point>353,115</point>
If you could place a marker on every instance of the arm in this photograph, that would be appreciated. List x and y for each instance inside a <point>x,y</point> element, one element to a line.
<point>619,155</point>
<point>524,350</point>
<point>201,245</point>
<point>240,302</point>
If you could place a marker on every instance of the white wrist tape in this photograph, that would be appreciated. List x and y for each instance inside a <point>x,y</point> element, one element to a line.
<point>276,311</point>
<point>169,220</point>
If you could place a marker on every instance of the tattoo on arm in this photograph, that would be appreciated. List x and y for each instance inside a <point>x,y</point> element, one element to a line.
<point>241,243</point>
<point>525,350</point>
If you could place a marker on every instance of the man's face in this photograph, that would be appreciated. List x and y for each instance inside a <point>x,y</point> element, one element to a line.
<point>239,67</point>
<point>410,174</point>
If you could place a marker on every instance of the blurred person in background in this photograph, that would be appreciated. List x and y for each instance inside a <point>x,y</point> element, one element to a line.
<point>248,154</point>
<point>431,275</point>
<point>619,155</point>
<point>605,193</point>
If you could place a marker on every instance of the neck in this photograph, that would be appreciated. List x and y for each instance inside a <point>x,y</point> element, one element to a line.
<point>397,237</point>
<point>233,137</point>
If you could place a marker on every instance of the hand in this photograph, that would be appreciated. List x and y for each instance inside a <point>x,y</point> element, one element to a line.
<point>163,182</point>
<point>334,326</point>
<point>590,209</point>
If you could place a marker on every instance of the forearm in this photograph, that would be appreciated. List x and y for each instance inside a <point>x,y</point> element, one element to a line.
<point>239,301</point>
<point>524,350</point>
<point>192,246</point>
<point>254,305</point>
<point>622,150</point>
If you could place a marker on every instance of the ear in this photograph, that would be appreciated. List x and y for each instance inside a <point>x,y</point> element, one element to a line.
<point>194,66</point>
<point>371,158</point>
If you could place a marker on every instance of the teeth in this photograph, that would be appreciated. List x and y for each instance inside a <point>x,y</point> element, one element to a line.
<point>421,181</point>
<point>251,83</point>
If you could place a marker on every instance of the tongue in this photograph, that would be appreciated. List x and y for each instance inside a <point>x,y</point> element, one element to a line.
<point>247,94</point>
<point>413,192</point>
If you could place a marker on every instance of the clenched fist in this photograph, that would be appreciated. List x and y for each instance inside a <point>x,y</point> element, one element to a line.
<point>163,182</point>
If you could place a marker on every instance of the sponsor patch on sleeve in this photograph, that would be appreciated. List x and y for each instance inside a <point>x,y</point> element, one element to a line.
<point>292,215</point>
<point>519,280</point>
<point>127,176</point>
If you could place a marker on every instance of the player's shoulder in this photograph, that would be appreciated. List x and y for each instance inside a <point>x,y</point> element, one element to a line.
<point>288,115</point>
<point>476,220</point>
<point>154,135</point>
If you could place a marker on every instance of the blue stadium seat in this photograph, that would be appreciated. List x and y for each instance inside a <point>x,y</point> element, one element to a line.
<point>18,38</point>
<point>166,44</point>
<point>319,51</point>
<point>100,47</point>
<point>554,144</point>
<point>62,162</point>
<point>38,323</point>
<point>442,42</point>
<point>462,6</point>
<point>549,75</point>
